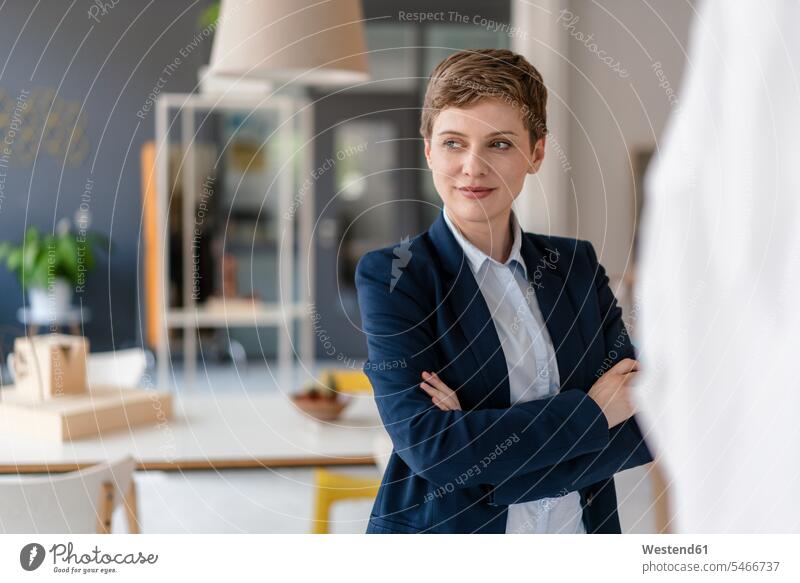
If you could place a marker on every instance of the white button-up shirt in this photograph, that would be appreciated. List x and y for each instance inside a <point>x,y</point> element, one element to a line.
<point>531,362</point>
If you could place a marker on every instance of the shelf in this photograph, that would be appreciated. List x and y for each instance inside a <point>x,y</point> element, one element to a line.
<point>262,315</point>
<point>292,122</point>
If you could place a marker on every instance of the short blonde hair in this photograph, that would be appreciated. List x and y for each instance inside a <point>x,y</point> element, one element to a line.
<point>466,77</point>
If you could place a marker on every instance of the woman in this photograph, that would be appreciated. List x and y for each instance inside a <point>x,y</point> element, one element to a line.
<point>499,359</point>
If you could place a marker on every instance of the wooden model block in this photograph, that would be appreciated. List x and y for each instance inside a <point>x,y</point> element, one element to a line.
<point>98,411</point>
<point>49,366</point>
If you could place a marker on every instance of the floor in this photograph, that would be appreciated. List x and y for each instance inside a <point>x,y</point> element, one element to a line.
<point>280,500</point>
<point>239,501</point>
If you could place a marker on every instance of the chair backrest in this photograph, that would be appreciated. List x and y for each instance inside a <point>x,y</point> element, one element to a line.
<point>347,380</point>
<point>71,503</point>
<point>118,368</point>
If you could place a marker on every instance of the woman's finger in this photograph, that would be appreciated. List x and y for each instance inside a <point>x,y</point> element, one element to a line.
<point>625,365</point>
<point>451,400</point>
<point>444,397</point>
<point>440,400</point>
<point>449,393</point>
<point>434,380</point>
<point>631,377</point>
<point>432,392</point>
<point>442,386</point>
<point>443,405</point>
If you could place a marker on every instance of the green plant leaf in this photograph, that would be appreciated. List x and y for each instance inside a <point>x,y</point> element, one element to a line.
<point>99,242</point>
<point>67,255</point>
<point>41,257</point>
<point>88,257</point>
<point>31,251</point>
<point>209,16</point>
<point>14,262</point>
<point>36,276</point>
<point>32,234</point>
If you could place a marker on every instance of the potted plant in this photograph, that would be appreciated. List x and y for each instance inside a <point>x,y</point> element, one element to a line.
<point>50,266</point>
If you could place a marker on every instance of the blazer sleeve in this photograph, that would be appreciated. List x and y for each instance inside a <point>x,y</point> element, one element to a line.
<point>456,448</point>
<point>626,447</point>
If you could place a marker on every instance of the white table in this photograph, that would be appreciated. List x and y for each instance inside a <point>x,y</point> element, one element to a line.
<point>213,432</point>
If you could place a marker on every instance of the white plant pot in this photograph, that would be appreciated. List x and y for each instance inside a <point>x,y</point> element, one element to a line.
<point>51,303</point>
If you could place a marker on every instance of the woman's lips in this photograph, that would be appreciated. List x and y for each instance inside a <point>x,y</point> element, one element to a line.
<point>476,192</point>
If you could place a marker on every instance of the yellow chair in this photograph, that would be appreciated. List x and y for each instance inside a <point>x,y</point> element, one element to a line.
<point>333,487</point>
<point>347,381</point>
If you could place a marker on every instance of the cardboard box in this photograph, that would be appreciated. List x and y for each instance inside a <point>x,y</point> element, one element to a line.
<point>49,366</point>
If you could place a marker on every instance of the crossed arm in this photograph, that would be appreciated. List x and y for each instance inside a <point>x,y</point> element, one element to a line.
<point>626,449</point>
<point>563,444</point>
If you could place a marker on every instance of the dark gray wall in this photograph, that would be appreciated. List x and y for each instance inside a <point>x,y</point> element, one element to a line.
<point>109,64</point>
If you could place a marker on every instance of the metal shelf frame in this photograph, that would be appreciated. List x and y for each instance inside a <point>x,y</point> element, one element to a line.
<point>282,314</point>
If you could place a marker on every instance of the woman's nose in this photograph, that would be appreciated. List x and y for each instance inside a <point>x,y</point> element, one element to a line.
<point>474,165</point>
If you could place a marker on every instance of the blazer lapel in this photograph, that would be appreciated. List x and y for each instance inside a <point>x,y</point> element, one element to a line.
<point>544,273</point>
<point>544,269</point>
<point>473,316</point>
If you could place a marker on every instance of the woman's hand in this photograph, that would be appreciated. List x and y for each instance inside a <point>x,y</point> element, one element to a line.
<point>612,391</point>
<point>443,396</point>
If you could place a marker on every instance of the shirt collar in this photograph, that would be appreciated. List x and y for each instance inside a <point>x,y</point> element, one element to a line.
<point>478,258</point>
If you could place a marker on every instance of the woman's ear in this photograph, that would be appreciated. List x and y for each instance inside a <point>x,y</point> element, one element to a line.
<point>428,151</point>
<point>537,156</point>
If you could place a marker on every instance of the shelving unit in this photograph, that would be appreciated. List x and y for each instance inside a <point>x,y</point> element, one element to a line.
<point>294,115</point>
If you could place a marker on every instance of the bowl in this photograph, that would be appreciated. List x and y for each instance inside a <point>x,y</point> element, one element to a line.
<point>320,407</point>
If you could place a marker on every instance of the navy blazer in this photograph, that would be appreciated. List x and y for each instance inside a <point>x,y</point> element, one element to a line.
<point>457,471</point>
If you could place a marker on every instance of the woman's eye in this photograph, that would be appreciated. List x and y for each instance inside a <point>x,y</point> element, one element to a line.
<point>450,144</point>
<point>501,145</point>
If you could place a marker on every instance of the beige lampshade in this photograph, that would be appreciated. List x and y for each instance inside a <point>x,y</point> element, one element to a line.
<point>310,42</point>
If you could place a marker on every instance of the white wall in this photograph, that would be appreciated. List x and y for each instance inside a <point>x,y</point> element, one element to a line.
<point>543,205</point>
<point>600,116</point>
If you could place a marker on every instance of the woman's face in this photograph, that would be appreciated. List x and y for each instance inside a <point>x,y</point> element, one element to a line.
<point>480,156</point>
